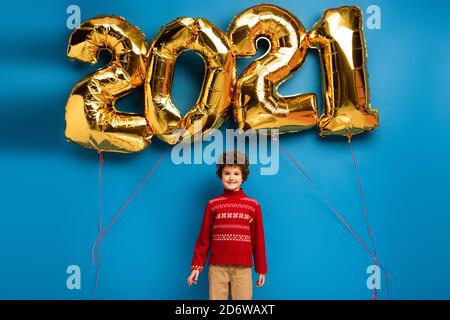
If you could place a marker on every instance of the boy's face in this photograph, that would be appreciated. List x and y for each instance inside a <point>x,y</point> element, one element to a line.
<point>231,178</point>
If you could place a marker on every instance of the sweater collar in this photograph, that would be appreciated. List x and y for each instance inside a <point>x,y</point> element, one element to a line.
<point>238,193</point>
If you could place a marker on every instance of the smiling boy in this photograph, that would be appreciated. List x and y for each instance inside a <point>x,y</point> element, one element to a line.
<point>232,230</point>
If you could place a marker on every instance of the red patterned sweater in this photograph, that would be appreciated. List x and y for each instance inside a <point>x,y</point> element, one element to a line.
<point>232,228</point>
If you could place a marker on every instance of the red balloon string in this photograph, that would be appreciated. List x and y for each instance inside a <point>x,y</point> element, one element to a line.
<point>325,200</point>
<point>366,214</point>
<point>127,203</point>
<point>100,183</point>
<point>333,209</point>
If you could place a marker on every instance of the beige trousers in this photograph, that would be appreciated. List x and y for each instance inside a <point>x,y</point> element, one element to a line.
<point>225,277</point>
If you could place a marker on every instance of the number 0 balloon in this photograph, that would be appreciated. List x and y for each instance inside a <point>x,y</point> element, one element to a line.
<point>214,101</point>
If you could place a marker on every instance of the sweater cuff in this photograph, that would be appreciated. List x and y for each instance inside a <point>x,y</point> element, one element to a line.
<point>259,271</point>
<point>194,267</point>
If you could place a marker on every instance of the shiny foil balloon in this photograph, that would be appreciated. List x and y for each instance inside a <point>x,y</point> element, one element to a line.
<point>214,101</point>
<point>257,103</point>
<point>91,117</point>
<point>338,36</point>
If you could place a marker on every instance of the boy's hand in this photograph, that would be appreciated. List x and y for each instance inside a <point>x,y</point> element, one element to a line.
<point>192,279</point>
<point>261,280</point>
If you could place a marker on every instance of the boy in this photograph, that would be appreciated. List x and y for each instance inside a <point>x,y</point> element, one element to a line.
<point>232,226</point>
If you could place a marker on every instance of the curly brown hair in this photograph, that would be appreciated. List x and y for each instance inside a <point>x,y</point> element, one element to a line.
<point>235,159</point>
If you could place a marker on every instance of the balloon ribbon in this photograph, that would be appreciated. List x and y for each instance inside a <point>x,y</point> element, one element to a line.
<point>127,203</point>
<point>341,218</point>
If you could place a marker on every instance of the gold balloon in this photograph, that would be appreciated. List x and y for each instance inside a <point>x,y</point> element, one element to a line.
<point>214,101</point>
<point>338,36</point>
<point>91,118</point>
<point>257,103</point>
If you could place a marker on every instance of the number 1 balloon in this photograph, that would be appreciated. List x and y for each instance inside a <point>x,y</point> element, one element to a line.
<point>339,38</point>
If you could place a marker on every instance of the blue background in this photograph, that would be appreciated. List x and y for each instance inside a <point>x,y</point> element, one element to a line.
<point>49,190</point>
